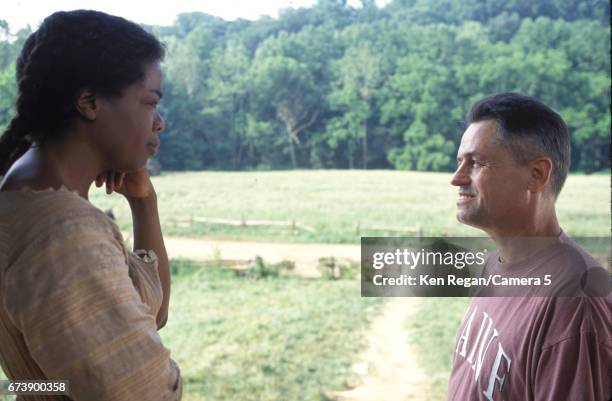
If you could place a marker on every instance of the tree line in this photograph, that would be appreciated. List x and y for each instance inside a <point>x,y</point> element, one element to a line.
<point>335,86</point>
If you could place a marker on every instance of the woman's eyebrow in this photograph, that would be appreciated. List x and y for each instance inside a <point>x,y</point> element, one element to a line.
<point>157,92</point>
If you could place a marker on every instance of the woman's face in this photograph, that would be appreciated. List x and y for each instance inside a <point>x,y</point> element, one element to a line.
<point>128,126</point>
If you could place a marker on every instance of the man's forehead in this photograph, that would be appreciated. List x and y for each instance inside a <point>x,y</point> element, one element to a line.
<point>478,138</point>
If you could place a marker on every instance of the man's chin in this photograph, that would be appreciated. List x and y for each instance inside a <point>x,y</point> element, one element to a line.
<point>466,218</point>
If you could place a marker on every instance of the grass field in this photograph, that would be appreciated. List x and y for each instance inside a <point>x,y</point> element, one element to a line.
<point>268,339</point>
<point>334,201</point>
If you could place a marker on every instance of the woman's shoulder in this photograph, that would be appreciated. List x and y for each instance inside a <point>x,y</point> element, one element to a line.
<point>45,202</point>
<point>49,211</point>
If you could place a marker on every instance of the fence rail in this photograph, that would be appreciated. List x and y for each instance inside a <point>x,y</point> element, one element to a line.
<point>416,229</point>
<point>292,224</point>
<point>188,221</point>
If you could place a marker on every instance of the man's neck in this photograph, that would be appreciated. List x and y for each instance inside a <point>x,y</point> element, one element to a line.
<point>518,245</point>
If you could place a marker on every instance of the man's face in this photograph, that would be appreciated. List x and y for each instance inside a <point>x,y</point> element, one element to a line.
<point>493,191</point>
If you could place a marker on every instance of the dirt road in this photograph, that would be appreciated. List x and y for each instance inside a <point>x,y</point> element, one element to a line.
<point>305,256</point>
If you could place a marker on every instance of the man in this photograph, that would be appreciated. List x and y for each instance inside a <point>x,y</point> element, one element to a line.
<point>512,163</point>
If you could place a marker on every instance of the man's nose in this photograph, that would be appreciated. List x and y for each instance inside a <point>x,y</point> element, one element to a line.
<point>460,177</point>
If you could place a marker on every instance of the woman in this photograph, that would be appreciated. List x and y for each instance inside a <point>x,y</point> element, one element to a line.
<point>75,304</point>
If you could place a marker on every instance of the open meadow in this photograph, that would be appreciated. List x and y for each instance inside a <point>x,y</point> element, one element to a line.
<point>334,202</point>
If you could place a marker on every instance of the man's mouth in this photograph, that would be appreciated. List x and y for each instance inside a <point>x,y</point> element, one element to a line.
<point>465,197</point>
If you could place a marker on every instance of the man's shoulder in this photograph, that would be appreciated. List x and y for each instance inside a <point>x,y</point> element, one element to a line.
<point>573,251</point>
<point>574,317</point>
<point>593,277</point>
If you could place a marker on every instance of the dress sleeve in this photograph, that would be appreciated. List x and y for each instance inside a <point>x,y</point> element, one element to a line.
<point>71,295</point>
<point>143,270</point>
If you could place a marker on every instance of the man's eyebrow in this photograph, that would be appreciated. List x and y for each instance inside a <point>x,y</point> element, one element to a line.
<point>158,93</point>
<point>470,154</point>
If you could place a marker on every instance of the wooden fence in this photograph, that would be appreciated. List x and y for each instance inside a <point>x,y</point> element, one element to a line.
<point>416,229</point>
<point>292,224</point>
<point>187,221</point>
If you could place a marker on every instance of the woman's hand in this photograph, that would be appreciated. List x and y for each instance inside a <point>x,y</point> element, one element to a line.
<point>133,185</point>
<point>138,189</point>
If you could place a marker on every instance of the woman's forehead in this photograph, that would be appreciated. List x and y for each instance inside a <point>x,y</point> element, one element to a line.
<point>153,78</point>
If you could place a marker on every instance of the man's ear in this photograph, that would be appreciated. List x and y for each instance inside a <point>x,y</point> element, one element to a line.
<point>540,173</point>
<point>87,105</point>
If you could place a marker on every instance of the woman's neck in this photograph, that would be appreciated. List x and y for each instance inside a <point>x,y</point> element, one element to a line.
<point>52,165</point>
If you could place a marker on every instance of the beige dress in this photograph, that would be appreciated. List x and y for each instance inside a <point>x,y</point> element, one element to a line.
<point>76,305</point>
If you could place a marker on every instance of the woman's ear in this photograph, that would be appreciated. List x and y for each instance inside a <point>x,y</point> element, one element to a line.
<point>540,173</point>
<point>87,105</point>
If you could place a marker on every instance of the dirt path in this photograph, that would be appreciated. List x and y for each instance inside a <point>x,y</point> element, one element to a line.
<point>305,256</point>
<point>388,367</point>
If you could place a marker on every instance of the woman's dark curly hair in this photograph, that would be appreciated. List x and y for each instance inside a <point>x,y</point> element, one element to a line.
<point>69,52</point>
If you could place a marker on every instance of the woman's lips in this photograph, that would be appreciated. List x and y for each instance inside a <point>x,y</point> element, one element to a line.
<point>153,148</point>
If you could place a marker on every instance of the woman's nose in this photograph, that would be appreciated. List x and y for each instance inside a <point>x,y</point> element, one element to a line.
<point>158,124</point>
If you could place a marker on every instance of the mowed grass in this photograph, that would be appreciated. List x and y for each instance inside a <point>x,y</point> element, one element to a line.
<point>275,339</point>
<point>334,201</point>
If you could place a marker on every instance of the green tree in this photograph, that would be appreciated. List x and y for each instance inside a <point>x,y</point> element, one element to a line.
<point>8,96</point>
<point>226,102</point>
<point>288,89</point>
<point>359,75</point>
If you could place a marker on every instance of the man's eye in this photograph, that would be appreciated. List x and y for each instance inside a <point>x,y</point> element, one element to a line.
<point>469,162</point>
